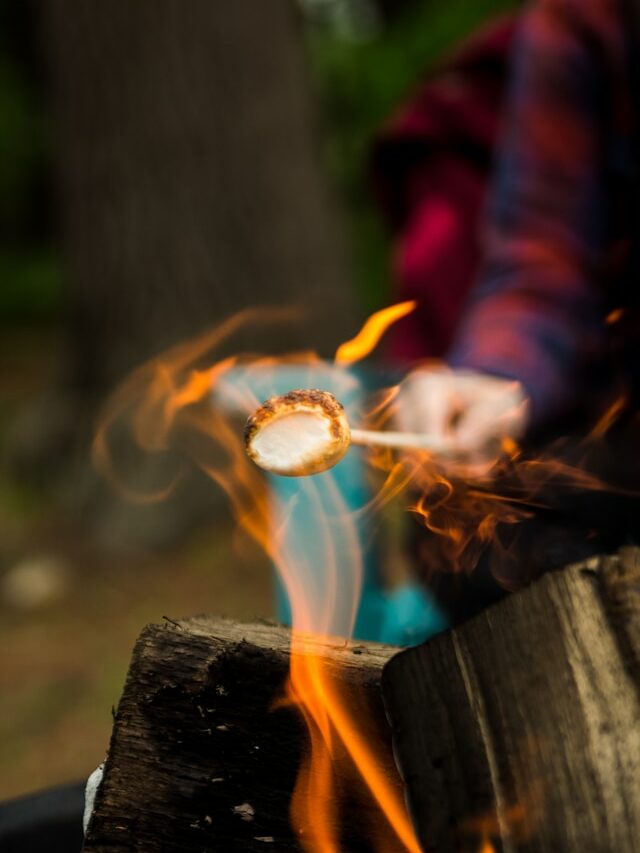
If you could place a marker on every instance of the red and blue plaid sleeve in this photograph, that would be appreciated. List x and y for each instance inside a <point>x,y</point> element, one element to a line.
<point>536,313</point>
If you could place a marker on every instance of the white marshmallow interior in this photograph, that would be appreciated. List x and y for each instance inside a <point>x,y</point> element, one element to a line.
<point>292,441</point>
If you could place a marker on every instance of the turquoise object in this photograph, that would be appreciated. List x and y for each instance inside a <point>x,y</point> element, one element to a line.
<point>309,513</point>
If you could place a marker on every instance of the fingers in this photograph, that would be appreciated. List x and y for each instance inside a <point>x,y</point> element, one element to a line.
<point>426,403</point>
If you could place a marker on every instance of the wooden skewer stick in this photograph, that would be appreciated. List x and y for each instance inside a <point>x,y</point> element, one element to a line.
<point>407,440</point>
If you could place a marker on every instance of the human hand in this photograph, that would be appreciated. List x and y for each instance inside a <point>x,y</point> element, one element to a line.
<point>472,412</point>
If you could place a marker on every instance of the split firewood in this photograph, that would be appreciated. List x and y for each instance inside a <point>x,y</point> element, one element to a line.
<point>204,756</point>
<point>520,730</point>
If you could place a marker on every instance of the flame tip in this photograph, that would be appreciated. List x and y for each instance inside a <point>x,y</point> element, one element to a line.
<point>373,329</point>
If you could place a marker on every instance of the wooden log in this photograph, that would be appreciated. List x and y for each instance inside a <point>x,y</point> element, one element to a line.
<point>520,730</point>
<point>201,760</point>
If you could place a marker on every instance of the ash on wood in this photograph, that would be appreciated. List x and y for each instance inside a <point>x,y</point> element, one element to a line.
<point>522,727</point>
<point>203,759</point>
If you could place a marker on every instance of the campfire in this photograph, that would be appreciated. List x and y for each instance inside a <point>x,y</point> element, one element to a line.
<point>344,762</point>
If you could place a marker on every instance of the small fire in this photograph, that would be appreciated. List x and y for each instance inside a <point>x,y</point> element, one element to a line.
<point>167,403</point>
<point>609,417</point>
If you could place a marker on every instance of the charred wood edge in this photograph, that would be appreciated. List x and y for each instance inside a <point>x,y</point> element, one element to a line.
<point>460,708</point>
<point>170,664</point>
<point>271,635</point>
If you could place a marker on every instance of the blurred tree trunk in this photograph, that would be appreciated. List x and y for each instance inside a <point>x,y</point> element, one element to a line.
<point>189,181</point>
<point>190,188</point>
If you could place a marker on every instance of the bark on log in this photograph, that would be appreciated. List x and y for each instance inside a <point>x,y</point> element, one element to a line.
<point>522,727</point>
<point>199,759</point>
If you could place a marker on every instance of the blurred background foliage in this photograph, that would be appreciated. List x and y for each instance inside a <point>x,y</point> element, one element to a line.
<point>364,59</point>
<point>363,68</point>
<point>31,289</point>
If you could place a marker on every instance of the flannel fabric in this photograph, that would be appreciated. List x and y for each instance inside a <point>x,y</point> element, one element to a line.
<point>430,167</point>
<point>561,216</point>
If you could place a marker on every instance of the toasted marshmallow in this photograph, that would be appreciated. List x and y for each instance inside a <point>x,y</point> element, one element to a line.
<point>303,432</point>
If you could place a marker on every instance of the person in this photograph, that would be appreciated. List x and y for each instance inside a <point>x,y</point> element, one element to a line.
<point>543,338</point>
<point>548,334</point>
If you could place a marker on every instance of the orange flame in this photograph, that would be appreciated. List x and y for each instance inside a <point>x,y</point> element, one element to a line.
<point>369,335</point>
<point>614,316</point>
<point>468,508</point>
<point>609,417</point>
<point>166,403</point>
<point>333,729</point>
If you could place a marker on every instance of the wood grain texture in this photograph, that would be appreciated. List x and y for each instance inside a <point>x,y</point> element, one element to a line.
<point>523,725</point>
<point>190,179</point>
<point>202,759</point>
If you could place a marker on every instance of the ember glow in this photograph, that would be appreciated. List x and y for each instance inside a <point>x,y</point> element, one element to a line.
<point>167,403</point>
<point>514,823</point>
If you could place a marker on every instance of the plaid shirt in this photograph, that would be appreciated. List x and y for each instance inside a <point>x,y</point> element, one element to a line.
<point>558,219</point>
